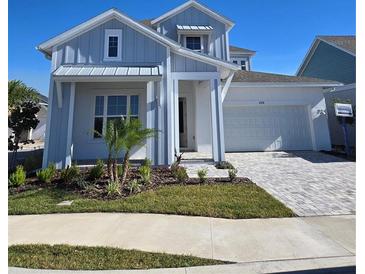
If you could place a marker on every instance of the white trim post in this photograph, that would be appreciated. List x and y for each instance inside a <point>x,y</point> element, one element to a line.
<point>48,124</point>
<point>221,143</point>
<point>150,120</point>
<point>59,93</point>
<point>69,146</point>
<point>170,111</point>
<point>213,111</point>
<point>176,116</point>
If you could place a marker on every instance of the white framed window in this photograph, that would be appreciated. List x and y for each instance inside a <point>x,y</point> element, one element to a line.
<point>113,45</point>
<point>243,62</point>
<point>243,65</point>
<point>194,43</point>
<point>113,107</point>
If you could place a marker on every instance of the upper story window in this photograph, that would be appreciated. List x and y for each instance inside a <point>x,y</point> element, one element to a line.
<point>113,45</point>
<point>242,62</point>
<point>194,43</point>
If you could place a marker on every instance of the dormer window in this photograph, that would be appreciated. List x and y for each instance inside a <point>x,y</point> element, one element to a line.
<point>113,45</point>
<point>194,43</point>
<point>240,61</point>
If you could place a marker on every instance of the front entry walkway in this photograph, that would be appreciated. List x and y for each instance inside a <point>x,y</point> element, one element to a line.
<point>310,183</point>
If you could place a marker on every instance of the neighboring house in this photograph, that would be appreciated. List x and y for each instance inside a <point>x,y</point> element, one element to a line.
<point>334,58</point>
<point>37,134</point>
<point>176,74</point>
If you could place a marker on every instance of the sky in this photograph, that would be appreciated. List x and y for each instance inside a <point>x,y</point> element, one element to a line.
<point>281,31</point>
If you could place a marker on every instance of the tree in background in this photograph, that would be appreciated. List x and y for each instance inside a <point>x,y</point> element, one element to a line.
<point>22,114</point>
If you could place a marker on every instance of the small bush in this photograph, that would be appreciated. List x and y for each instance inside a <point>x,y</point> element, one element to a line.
<point>69,174</point>
<point>97,171</point>
<point>232,173</point>
<point>224,165</point>
<point>180,174</point>
<point>46,175</point>
<point>17,178</point>
<point>145,173</point>
<point>202,174</point>
<point>112,188</point>
<point>120,170</point>
<point>147,162</point>
<point>81,183</point>
<point>134,186</point>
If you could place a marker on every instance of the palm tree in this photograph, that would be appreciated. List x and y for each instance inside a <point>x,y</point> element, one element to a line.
<point>132,135</point>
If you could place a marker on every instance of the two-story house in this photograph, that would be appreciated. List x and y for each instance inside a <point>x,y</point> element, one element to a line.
<point>180,76</point>
<point>334,58</point>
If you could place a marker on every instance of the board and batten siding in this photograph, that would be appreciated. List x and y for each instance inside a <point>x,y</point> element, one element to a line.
<point>183,64</point>
<point>331,63</point>
<point>88,48</point>
<point>193,16</point>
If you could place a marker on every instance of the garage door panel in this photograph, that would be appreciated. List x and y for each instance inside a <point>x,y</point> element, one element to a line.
<point>266,128</point>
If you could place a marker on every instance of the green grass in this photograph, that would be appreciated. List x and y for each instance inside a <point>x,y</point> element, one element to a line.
<point>96,258</point>
<point>234,201</point>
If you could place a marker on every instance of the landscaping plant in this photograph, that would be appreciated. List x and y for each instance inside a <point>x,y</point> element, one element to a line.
<point>112,188</point>
<point>147,162</point>
<point>46,175</point>
<point>97,171</point>
<point>232,173</point>
<point>202,174</point>
<point>145,173</point>
<point>17,178</point>
<point>69,174</point>
<point>180,174</point>
<point>134,186</point>
<point>224,165</point>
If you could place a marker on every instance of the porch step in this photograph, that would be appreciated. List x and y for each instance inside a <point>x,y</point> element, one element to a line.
<point>197,161</point>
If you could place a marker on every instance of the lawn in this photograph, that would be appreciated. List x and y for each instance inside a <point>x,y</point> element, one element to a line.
<point>96,258</point>
<point>233,201</point>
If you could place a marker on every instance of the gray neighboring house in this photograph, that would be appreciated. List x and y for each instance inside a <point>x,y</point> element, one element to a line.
<point>179,74</point>
<point>334,58</point>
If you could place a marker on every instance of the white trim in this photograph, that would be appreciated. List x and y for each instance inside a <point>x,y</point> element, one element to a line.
<point>282,84</point>
<point>68,160</point>
<point>192,3</point>
<point>213,113</point>
<point>59,93</point>
<point>220,121</point>
<point>158,37</point>
<point>336,46</point>
<point>176,115</point>
<point>226,86</point>
<point>343,88</point>
<point>170,113</point>
<point>227,46</point>
<point>48,125</point>
<point>307,57</point>
<point>194,75</point>
<point>94,78</point>
<point>150,119</point>
<point>115,33</point>
<point>311,128</point>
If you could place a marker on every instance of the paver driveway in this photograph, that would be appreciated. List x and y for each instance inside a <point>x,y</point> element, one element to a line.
<point>310,183</point>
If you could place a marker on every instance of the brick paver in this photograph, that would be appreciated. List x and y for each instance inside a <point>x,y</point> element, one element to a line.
<point>310,183</point>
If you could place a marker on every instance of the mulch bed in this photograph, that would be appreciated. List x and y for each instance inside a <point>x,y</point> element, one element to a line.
<point>160,176</point>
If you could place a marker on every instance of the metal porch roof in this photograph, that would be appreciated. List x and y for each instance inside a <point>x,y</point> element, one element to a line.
<point>194,27</point>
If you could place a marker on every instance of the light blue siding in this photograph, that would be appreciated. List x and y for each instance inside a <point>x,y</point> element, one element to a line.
<point>331,63</point>
<point>58,130</point>
<point>193,16</point>
<point>183,64</point>
<point>88,48</point>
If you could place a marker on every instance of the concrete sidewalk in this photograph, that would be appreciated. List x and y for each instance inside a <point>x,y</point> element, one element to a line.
<point>231,240</point>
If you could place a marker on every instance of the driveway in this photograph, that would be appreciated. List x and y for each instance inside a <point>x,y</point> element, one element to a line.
<point>310,183</point>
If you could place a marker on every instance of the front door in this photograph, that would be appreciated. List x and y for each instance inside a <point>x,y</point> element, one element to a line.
<point>183,123</point>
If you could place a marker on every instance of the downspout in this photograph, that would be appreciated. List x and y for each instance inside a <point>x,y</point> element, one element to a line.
<point>226,85</point>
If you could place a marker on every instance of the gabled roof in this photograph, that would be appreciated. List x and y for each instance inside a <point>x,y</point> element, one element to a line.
<point>234,49</point>
<point>346,43</point>
<point>46,47</point>
<point>192,3</point>
<point>263,77</point>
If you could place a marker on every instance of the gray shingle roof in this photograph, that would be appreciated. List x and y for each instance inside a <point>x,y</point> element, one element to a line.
<point>347,42</point>
<point>262,77</point>
<point>243,50</point>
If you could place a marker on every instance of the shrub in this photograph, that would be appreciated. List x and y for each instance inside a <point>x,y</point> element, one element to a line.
<point>69,174</point>
<point>224,165</point>
<point>97,171</point>
<point>81,183</point>
<point>17,178</point>
<point>120,170</point>
<point>180,174</point>
<point>46,175</point>
<point>134,186</point>
<point>232,173</point>
<point>145,173</point>
<point>112,188</point>
<point>147,162</point>
<point>202,174</point>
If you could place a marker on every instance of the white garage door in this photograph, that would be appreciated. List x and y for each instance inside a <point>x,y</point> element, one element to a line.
<point>266,128</point>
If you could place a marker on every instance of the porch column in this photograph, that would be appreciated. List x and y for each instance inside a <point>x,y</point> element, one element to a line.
<point>218,147</point>
<point>69,145</point>
<point>151,107</point>
<point>176,117</point>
